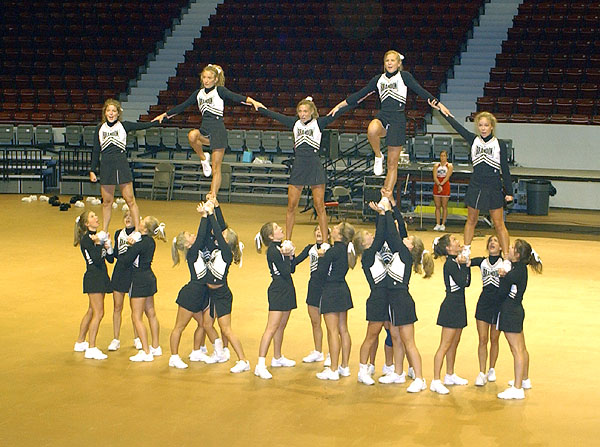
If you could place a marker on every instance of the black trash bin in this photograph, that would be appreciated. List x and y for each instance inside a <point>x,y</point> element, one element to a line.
<point>538,197</point>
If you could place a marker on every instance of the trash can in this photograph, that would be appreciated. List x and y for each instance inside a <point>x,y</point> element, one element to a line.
<point>538,197</point>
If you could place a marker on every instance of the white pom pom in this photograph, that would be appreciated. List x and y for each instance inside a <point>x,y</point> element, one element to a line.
<point>120,200</point>
<point>32,197</point>
<point>89,198</point>
<point>95,201</point>
<point>125,208</point>
<point>79,204</point>
<point>44,198</point>
<point>114,205</point>
<point>26,199</point>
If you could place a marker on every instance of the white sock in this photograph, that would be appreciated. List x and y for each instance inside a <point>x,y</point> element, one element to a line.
<point>219,346</point>
<point>261,362</point>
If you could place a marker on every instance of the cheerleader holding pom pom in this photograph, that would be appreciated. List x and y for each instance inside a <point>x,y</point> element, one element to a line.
<point>511,316</point>
<point>96,249</point>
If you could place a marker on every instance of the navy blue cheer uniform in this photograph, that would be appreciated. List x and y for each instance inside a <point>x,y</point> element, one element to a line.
<point>193,297</point>
<point>140,255</point>
<point>313,296</point>
<point>488,304</point>
<point>399,269</point>
<point>490,158</point>
<point>121,276</point>
<point>511,290</point>
<point>307,168</point>
<point>211,103</point>
<point>221,257</point>
<point>281,292</point>
<point>392,89</point>
<point>331,274</point>
<point>453,310</point>
<point>95,279</point>
<point>110,140</point>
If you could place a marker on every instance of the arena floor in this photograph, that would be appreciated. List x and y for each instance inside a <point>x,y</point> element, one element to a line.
<point>53,396</point>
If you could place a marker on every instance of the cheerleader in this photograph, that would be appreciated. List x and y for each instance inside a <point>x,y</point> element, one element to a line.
<point>281,295</point>
<point>392,87</point>
<point>452,316</point>
<point>441,190</point>
<point>487,192</point>
<point>121,282</point>
<point>96,249</point>
<point>110,140</point>
<point>486,312</point>
<point>307,168</point>
<point>336,299</point>
<point>313,298</point>
<point>192,300</point>
<point>390,298</point>
<point>210,99</point>
<point>143,286</point>
<point>511,315</point>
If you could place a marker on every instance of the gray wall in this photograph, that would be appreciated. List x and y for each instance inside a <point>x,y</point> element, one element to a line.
<point>558,146</point>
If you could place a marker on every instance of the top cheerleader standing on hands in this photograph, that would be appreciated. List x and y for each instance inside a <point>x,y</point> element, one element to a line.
<point>211,102</point>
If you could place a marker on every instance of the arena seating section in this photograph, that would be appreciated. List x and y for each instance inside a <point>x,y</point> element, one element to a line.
<point>59,61</point>
<point>292,49</point>
<point>549,68</point>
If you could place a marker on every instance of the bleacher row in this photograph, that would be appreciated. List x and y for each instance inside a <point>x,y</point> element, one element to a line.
<point>549,67</point>
<point>58,60</point>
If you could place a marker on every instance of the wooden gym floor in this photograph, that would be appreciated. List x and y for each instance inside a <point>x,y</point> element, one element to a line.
<point>53,396</point>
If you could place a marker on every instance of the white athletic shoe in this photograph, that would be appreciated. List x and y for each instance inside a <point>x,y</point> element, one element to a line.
<point>282,362</point>
<point>344,372</point>
<point>388,369</point>
<point>466,252</point>
<point>240,366</point>
<point>411,373</point>
<point>137,343</point>
<point>156,352</point>
<point>381,203</point>
<point>206,168</point>
<point>226,354</point>
<point>327,361</point>
<point>437,227</point>
<point>176,362</point>
<point>219,358</point>
<point>328,374</point>
<point>437,387</point>
<point>81,347</point>
<point>393,378</point>
<point>525,383</point>
<point>453,379</point>
<point>314,356</point>
<point>95,354</point>
<point>481,379</point>
<point>417,386</point>
<point>364,376</point>
<point>371,369</point>
<point>491,375</point>
<point>199,356</point>
<point>114,345</point>
<point>141,356</point>
<point>378,165</point>
<point>442,227</point>
<point>512,393</point>
<point>262,372</point>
